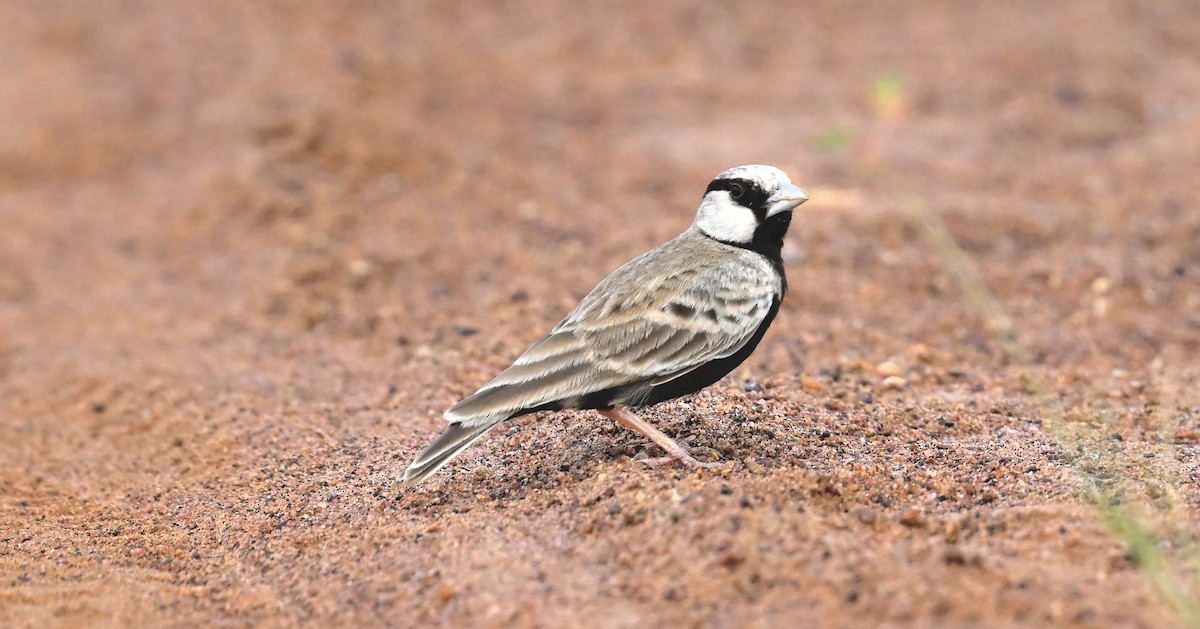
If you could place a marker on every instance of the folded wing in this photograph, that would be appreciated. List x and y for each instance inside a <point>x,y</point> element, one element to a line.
<point>626,343</point>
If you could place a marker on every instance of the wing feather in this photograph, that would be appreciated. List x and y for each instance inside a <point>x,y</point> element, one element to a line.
<point>715,329</point>
<point>648,322</point>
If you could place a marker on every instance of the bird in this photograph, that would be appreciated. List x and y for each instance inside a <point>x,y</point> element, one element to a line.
<point>668,323</point>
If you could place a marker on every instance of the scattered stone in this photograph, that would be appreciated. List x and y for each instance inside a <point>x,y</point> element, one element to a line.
<point>812,384</point>
<point>921,352</point>
<point>866,515</point>
<point>730,560</point>
<point>954,556</point>
<point>951,531</point>
<point>887,368</point>
<point>834,374</point>
<point>913,519</point>
<point>360,268</point>
<point>894,382</point>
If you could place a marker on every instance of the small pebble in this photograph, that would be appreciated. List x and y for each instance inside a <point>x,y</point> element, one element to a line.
<point>360,268</point>
<point>887,368</point>
<point>951,531</point>
<point>894,382</point>
<point>811,384</point>
<point>866,515</point>
<point>912,519</point>
<point>730,560</point>
<point>921,352</point>
<point>1187,435</point>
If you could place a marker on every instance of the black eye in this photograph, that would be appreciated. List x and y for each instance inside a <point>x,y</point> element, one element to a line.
<point>736,192</point>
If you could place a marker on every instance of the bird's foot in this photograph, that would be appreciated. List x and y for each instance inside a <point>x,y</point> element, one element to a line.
<point>675,450</point>
<point>685,457</point>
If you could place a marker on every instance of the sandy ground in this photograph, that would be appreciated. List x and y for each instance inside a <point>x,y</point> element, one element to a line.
<point>250,252</point>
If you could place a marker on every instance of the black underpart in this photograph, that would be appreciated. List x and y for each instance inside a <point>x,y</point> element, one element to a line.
<point>643,393</point>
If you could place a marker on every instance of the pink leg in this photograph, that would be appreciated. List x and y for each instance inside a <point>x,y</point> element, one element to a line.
<point>675,451</point>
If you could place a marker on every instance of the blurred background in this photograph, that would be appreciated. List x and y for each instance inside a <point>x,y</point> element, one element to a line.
<point>229,153</point>
<point>272,232</point>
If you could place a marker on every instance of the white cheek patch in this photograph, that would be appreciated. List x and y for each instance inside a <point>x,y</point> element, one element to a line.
<point>720,218</point>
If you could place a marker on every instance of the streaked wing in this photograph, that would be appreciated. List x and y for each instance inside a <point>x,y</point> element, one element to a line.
<point>630,332</point>
<point>665,338</point>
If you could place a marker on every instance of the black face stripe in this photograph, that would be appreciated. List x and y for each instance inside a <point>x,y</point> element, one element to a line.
<point>768,236</point>
<point>752,195</point>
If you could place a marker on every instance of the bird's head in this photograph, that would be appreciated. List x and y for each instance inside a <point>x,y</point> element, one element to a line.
<point>749,206</point>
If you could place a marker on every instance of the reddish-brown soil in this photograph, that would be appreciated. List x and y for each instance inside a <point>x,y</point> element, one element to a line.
<point>250,251</point>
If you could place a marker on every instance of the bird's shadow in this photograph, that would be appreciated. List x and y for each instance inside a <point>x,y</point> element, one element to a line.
<point>550,451</point>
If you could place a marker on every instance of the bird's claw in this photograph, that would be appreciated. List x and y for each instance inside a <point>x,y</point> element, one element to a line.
<point>687,459</point>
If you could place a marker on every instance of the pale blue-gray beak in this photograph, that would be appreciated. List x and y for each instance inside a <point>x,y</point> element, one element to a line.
<point>785,199</point>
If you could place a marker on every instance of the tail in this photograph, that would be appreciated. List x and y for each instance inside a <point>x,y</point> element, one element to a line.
<point>551,375</point>
<point>456,439</point>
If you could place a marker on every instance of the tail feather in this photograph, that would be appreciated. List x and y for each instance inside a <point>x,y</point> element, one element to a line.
<point>548,376</point>
<point>451,442</point>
